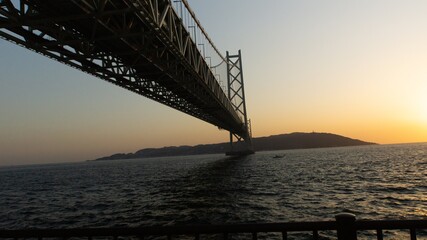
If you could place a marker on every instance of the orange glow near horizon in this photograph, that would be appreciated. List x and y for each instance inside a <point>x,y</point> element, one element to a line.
<point>353,68</point>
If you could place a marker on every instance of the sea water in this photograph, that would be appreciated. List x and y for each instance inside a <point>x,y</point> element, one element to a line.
<point>373,182</point>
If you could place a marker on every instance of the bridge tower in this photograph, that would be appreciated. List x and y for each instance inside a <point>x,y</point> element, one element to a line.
<point>155,48</point>
<point>236,94</point>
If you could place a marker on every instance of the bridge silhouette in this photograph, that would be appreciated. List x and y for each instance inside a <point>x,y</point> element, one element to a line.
<point>155,48</point>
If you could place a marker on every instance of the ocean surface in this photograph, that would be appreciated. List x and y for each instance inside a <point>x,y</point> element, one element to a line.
<point>372,182</point>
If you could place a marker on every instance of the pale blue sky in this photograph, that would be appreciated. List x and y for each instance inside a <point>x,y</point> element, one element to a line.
<point>356,68</point>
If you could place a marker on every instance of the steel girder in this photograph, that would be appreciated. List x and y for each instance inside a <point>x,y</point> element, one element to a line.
<point>140,45</point>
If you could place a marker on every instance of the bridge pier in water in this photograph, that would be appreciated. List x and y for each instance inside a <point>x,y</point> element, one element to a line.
<point>236,95</point>
<point>155,48</point>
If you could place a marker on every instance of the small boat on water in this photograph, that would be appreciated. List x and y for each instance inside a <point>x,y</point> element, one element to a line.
<point>278,156</point>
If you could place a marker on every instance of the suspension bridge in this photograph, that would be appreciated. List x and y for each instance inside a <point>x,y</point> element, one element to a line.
<point>155,48</point>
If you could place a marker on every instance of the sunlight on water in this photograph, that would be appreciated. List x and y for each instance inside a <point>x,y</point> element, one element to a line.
<point>421,211</point>
<point>373,182</point>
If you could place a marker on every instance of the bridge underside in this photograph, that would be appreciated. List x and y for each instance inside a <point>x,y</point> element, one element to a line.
<point>138,45</point>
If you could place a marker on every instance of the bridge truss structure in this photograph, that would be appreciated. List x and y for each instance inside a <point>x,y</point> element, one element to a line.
<point>155,48</point>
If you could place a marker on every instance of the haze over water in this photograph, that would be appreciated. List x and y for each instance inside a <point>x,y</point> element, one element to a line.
<point>373,182</point>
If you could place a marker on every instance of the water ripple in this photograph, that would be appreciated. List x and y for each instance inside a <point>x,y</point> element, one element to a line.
<point>373,182</point>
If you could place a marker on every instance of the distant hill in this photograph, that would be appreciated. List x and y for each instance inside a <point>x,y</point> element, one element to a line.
<point>275,142</point>
<point>304,140</point>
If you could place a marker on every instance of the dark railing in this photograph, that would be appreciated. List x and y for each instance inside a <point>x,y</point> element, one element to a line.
<point>346,228</point>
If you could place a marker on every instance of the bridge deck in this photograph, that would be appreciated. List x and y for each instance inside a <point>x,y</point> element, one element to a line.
<point>138,45</point>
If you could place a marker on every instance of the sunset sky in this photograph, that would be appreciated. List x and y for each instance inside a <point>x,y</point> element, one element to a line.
<point>354,68</point>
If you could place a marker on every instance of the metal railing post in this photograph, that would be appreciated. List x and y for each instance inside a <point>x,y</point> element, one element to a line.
<point>346,226</point>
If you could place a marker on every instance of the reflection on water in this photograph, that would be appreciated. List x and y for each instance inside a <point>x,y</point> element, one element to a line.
<point>373,182</point>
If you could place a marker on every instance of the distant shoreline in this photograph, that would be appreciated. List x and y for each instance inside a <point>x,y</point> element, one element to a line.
<point>296,140</point>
